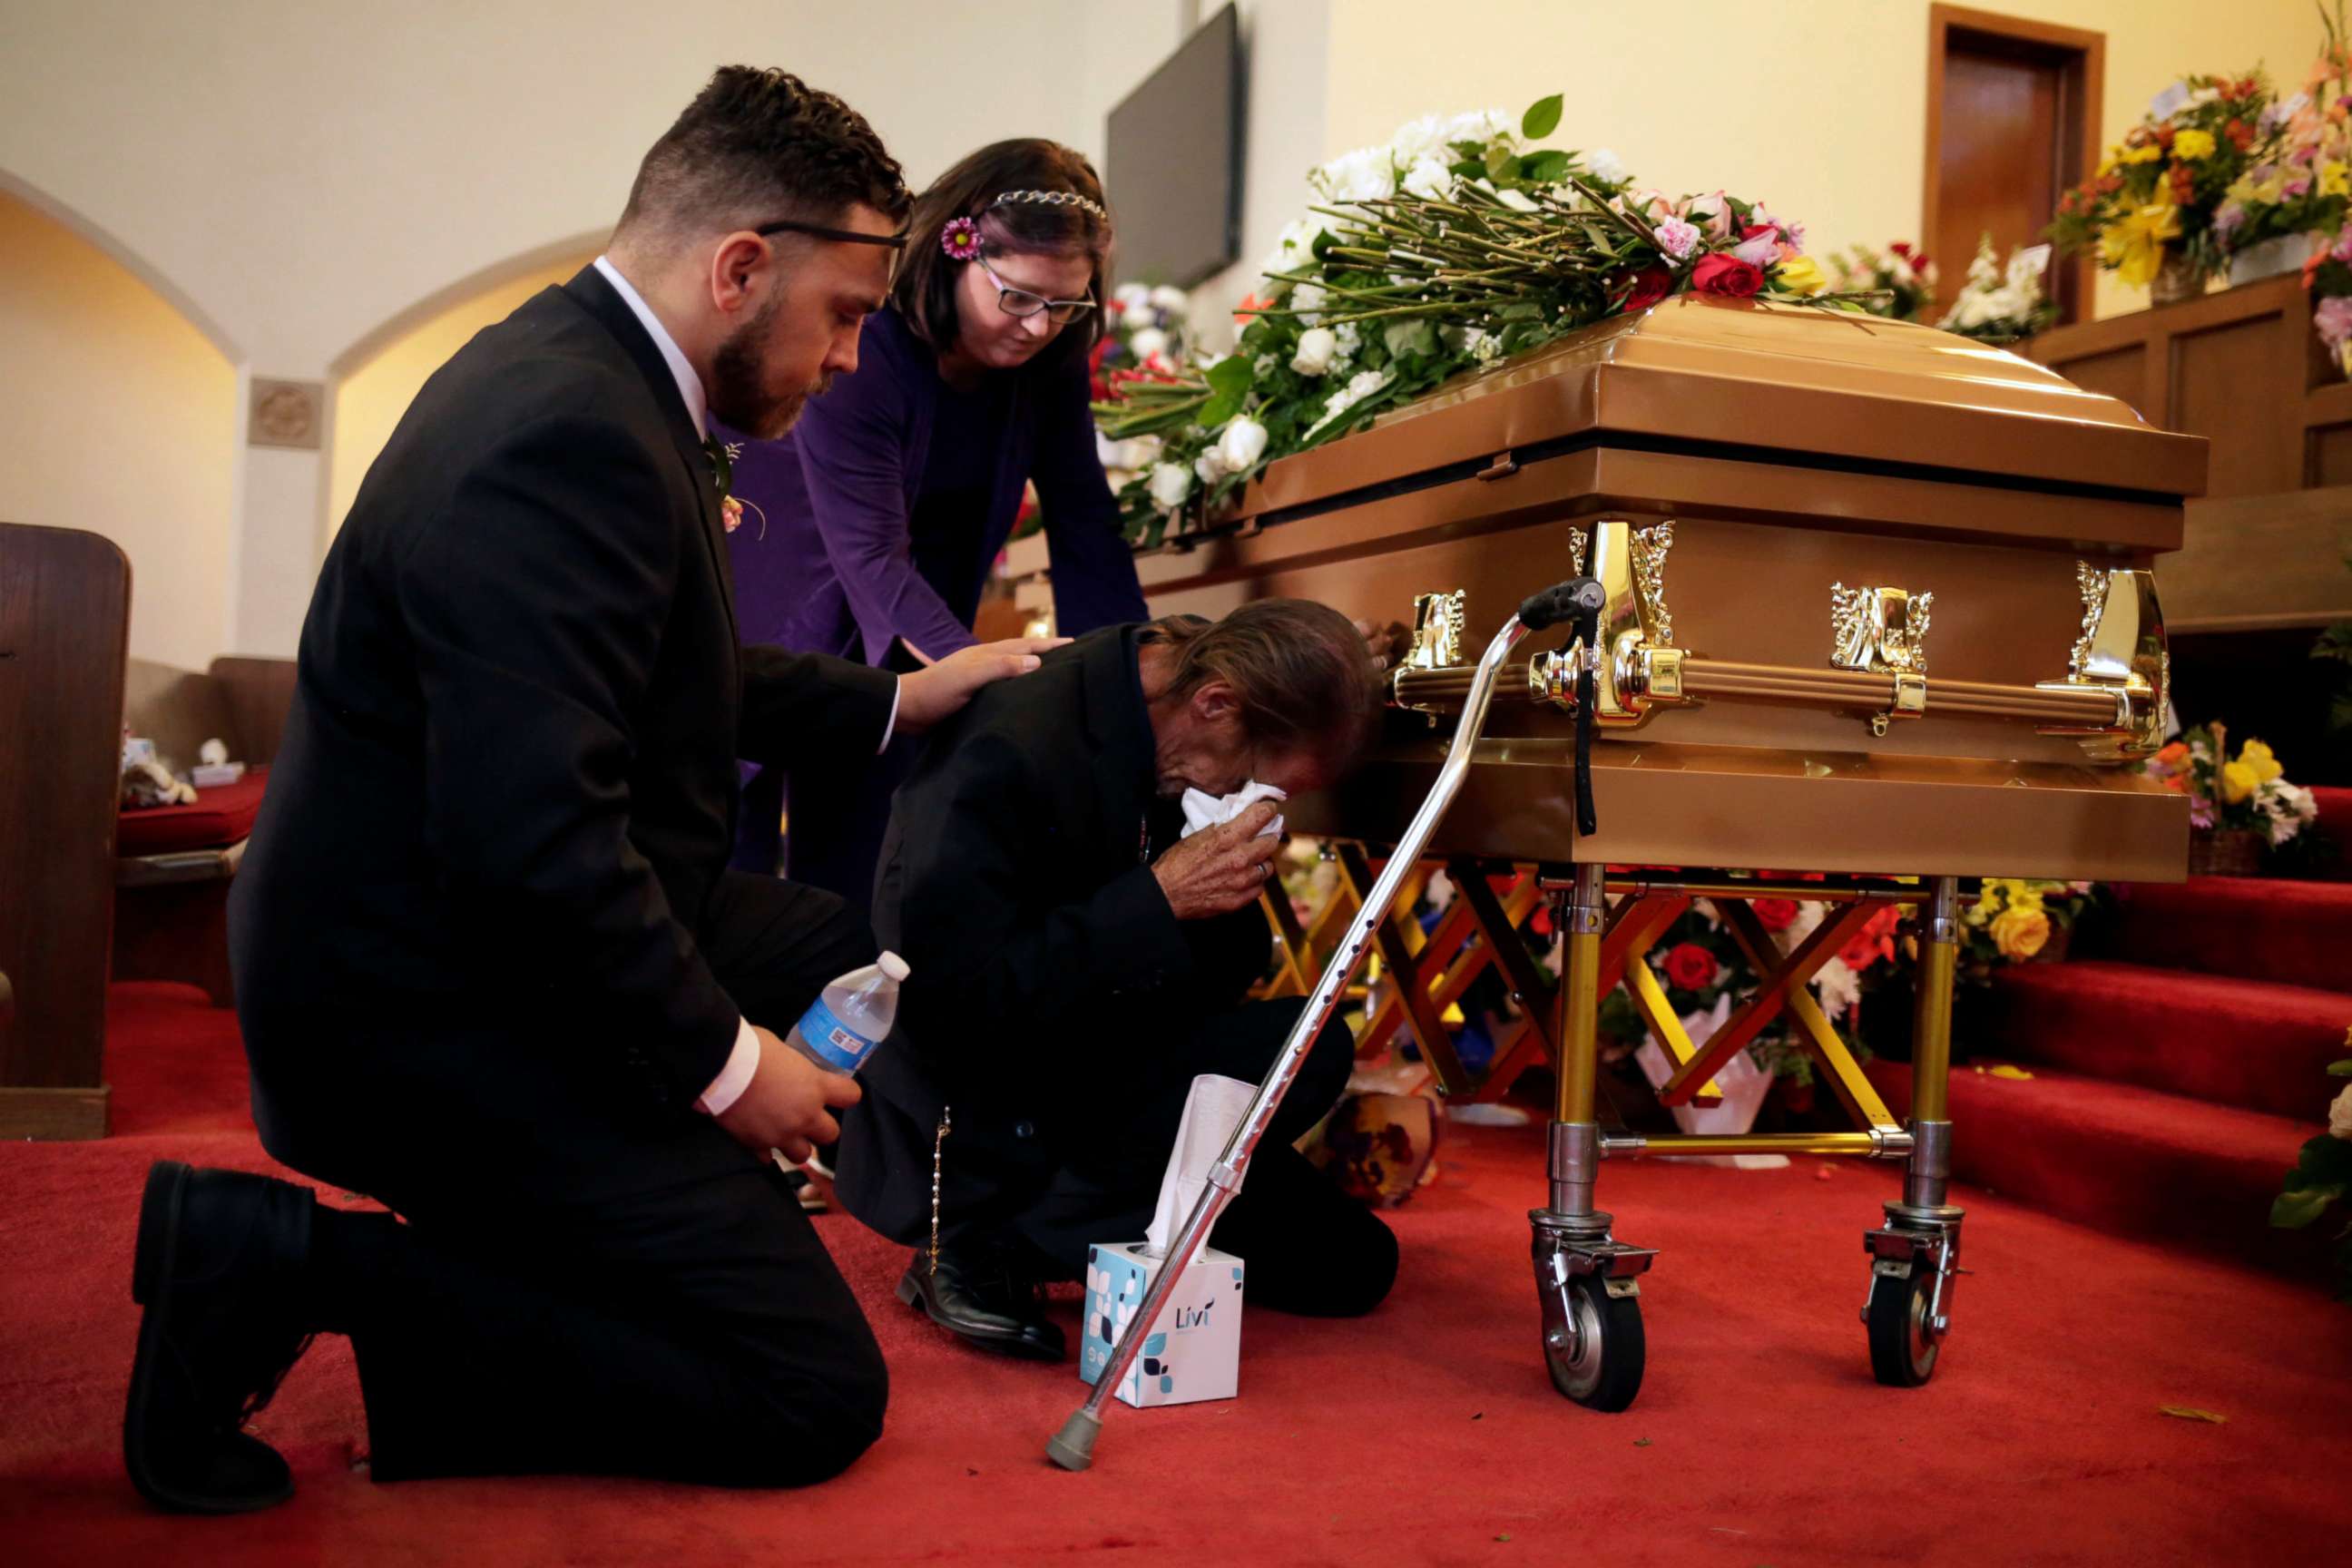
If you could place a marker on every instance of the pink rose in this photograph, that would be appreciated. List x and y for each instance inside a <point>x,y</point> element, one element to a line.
<point>1726,274</point>
<point>731,513</point>
<point>1759,245</point>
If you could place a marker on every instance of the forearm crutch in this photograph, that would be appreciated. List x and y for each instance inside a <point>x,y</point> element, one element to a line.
<point>1579,599</point>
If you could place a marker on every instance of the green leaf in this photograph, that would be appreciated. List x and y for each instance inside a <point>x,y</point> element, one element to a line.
<point>1229,376</point>
<point>2293,1211</point>
<point>1544,168</point>
<point>1502,164</point>
<point>1542,118</point>
<point>2340,1069</point>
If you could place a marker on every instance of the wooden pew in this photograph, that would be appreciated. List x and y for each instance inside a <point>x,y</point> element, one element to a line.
<point>65,616</point>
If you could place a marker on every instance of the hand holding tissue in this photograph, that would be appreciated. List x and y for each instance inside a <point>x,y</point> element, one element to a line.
<point>1205,810</point>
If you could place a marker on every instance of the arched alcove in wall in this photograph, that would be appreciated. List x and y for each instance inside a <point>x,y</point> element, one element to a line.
<point>120,405</point>
<point>377,378</point>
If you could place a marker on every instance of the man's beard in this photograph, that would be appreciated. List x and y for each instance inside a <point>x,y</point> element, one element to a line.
<point>738,375</point>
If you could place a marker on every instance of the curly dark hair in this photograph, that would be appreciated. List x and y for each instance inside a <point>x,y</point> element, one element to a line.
<point>925,290</point>
<point>756,146</point>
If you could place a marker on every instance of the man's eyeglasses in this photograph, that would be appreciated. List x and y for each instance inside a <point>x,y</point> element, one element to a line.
<point>1024,303</point>
<point>894,241</point>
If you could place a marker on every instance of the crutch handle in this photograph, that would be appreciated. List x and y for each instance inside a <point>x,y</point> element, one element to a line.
<point>1561,601</point>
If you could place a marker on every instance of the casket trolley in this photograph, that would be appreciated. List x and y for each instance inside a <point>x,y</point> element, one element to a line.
<point>1767,507</point>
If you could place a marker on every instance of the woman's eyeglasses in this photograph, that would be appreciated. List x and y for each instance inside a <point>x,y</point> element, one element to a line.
<point>1024,303</point>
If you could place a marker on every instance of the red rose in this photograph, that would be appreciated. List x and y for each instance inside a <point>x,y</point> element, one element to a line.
<point>1651,285</point>
<point>1775,914</point>
<point>1690,966</point>
<point>1727,276</point>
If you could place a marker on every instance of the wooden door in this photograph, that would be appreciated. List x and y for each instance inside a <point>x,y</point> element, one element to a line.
<point>2012,121</point>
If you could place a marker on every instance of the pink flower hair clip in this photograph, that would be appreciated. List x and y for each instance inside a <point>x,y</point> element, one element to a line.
<point>959,238</point>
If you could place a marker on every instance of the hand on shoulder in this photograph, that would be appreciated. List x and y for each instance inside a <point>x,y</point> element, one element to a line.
<point>932,693</point>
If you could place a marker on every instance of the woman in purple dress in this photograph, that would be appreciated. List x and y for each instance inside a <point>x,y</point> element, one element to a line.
<point>869,530</point>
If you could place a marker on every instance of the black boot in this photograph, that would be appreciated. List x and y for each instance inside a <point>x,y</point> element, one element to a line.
<point>980,1293</point>
<point>219,1269</point>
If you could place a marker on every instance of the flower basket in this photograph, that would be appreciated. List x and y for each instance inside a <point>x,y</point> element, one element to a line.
<point>2226,852</point>
<point>2271,258</point>
<point>2179,279</point>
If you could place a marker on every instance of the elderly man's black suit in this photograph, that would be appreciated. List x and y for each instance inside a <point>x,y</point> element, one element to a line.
<point>1059,1010</point>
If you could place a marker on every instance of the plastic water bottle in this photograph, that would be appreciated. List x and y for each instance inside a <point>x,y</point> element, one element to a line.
<point>844,1023</point>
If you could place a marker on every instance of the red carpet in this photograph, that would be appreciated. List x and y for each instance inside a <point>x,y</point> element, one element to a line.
<point>1425,1434</point>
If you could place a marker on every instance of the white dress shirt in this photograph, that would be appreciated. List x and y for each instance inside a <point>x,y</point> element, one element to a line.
<point>744,1059</point>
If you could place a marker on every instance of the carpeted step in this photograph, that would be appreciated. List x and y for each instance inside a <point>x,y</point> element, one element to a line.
<point>2298,933</point>
<point>2134,1161</point>
<point>2252,1043</point>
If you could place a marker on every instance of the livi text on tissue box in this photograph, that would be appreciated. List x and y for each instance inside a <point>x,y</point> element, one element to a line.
<point>1193,1351</point>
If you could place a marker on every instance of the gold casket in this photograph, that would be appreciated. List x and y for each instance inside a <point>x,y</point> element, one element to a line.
<point>1876,608</point>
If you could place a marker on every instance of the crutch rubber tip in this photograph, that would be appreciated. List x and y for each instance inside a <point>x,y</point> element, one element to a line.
<point>1073,1447</point>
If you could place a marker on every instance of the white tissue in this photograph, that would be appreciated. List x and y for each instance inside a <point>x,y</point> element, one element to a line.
<point>1205,810</point>
<point>1211,1111</point>
<point>213,752</point>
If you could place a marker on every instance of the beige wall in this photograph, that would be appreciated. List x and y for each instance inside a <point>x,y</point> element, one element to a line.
<point>373,393</point>
<point>121,419</point>
<point>1817,108</point>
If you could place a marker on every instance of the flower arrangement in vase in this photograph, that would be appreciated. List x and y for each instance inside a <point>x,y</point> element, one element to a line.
<point>2001,304</point>
<point>1898,283</point>
<point>1456,243</point>
<point>2148,212</point>
<point>2237,806</point>
<point>2269,212</point>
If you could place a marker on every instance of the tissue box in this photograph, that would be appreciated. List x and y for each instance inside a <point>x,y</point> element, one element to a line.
<point>215,776</point>
<point>1193,1351</point>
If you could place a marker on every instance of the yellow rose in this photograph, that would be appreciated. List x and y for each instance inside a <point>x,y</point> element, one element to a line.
<point>1800,275</point>
<point>2020,933</point>
<point>2238,783</point>
<point>2257,756</point>
<point>2191,146</point>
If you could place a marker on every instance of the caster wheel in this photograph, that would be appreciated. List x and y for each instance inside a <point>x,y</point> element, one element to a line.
<point>1902,1349</point>
<point>1600,1366</point>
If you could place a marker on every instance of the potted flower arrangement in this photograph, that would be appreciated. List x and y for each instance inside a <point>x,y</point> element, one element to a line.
<point>2001,304</point>
<point>1705,974</point>
<point>2268,212</point>
<point>2237,806</point>
<point>1458,242</point>
<point>1898,283</point>
<point>2148,212</point>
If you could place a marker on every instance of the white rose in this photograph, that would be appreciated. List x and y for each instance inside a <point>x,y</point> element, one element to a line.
<point>1210,466</point>
<point>1170,486</point>
<point>1430,179</point>
<point>1606,166</point>
<point>1138,315</point>
<point>2339,1115</point>
<point>1132,294</point>
<point>1150,340</point>
<point>1316,346</point>
<point>1243,444</point>
<point>1107,451</point>
<point>1368,174</point>
<point>1172,299</point>
<point>1138,453</point>
<point>1480,125</point>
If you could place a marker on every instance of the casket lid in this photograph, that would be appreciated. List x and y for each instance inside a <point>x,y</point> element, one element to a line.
<point>1764,382</point>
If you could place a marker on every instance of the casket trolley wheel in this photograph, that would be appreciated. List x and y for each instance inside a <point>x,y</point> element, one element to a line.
<point>1596,1356</point>
<point>1903,1343</point>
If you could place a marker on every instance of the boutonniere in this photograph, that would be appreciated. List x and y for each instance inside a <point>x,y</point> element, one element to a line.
<point>723,455</point>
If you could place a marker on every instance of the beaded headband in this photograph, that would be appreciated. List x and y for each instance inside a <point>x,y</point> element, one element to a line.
<point>1054,199</point>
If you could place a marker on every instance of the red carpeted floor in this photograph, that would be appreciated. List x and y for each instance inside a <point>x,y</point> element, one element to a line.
<point>1426,1433</point>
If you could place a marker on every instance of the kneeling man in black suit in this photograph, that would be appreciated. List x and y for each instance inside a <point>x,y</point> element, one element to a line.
<point>491,967</point>
<point>1077,963</point>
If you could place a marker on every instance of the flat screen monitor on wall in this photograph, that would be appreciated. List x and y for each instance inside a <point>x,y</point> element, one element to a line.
<point>1174,168</point>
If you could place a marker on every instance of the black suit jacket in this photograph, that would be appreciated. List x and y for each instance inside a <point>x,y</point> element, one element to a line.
<point>506,786</point>
<point>1044,961</point>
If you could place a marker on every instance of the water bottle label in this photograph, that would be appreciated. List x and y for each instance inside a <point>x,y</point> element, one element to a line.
<point>834,1043</point>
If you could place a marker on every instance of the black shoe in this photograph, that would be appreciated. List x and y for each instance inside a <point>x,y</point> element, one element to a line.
<point>218,1268</point>
<point>980,1294</point>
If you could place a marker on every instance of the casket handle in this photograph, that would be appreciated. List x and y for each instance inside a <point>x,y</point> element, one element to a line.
<point>1502,468</point>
